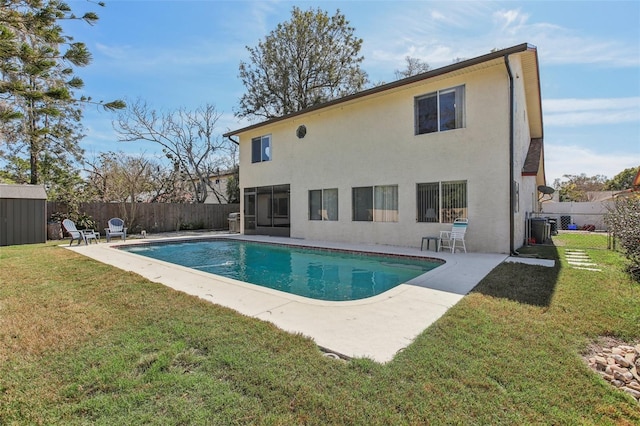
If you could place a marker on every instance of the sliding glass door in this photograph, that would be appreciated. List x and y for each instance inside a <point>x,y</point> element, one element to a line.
<point>267,210</point>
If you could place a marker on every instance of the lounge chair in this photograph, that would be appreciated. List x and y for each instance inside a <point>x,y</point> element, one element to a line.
<point>75,234</point>
<point>116,229</point>
<point>448,238</point>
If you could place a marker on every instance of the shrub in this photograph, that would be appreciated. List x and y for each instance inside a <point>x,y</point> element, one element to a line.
<point>623,220</point>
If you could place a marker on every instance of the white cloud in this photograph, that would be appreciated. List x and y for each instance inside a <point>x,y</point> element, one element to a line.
<point>510,21</point>
<point>566,49</point>
<point>228,122</point>
<point>144,59</point>
<point>482,26</point>
<point>563,160</point>
<point>558,105</point>
<point>259,19</point>
<point>113,52</point>
<point>437,16</point>
<point>447,19</point>
<point>434,32</point>
<point>581,112</point>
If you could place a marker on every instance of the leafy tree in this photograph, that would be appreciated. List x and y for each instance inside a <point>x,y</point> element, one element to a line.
<point>125,179</point>
<point>188,139</point>
<point>576,187</point>
<point>414,66</point>
<point>623,180</point>
<point>117,177</point>
<point>167,186</point>
<point>64,184</point>
<point>62,181</point>
<point>308,60</point>
<point>15,170</point>
<point>233,186</point>
<point>40,115</point>
<point>623,220</point>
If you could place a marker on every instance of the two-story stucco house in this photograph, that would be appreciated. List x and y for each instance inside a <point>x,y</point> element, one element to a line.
<point>400,161</point>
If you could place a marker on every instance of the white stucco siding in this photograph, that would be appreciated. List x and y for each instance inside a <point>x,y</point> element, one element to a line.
<point>371,141</point>
<point>527,187</point>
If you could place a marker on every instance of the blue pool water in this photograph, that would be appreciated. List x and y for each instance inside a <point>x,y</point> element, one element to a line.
<point>314,273</point>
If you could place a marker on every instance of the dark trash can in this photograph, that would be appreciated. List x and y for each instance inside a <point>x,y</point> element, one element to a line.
<point>553,223</point>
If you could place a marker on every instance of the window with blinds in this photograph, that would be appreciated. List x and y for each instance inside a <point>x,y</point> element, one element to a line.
<point>441,202</point>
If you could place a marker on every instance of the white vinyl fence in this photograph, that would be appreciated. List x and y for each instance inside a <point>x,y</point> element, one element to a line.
<point>577,215</point>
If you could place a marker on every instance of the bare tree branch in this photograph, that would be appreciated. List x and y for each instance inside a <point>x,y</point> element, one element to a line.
<point>189,140</point>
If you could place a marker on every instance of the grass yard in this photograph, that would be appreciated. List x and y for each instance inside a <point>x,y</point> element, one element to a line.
<point>85,343</point>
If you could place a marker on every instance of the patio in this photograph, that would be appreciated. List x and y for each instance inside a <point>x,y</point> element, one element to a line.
<point>376,327</point>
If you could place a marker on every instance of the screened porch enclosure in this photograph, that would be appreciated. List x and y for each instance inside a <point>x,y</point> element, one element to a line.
<point>267,210</point>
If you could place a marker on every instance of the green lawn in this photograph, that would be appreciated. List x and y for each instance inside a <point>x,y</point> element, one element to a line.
<point>85,343</point>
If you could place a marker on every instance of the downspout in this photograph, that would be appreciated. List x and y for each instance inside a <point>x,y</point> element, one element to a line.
<point>512,250</point>
<point>238,144</point>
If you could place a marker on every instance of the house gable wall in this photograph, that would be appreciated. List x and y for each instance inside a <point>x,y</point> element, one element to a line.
<point>371,141</point>
<point>525,184</point>
<point>526,194</point>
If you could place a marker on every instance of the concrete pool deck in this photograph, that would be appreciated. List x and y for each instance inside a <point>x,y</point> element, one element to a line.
<point>377,327</point>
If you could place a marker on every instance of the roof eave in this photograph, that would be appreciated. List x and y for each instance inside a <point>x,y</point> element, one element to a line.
<point>393,85</point>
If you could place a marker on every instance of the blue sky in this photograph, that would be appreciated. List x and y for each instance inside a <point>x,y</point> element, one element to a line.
<point>185,54</point>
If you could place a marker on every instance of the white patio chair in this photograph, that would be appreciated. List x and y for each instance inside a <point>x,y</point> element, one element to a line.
<point>448,239</point>
<point>75,234</point>
<point>116,229</point>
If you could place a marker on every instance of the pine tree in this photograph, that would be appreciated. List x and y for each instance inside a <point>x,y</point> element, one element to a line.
<point>38,110</point>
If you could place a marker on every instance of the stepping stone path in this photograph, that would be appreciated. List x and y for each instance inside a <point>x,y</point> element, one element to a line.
<point>579,259</point>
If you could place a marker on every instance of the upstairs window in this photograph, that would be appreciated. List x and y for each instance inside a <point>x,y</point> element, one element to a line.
<point>440,111</point>
<point>261,149</point>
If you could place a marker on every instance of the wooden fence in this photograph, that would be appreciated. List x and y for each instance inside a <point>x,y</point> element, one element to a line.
<point>154,217</point>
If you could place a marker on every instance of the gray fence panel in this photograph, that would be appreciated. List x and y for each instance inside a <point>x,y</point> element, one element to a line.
<point>155,217</point>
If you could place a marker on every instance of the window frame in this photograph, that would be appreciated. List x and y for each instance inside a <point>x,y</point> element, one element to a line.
<point>422,118</point>
<point>265,152</point>
<point>327,212</point>
<point>377,194</point>
<point>444,210</point>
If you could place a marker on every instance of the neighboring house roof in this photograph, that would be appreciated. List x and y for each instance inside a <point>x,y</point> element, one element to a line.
<point>531,78</point>
<point>221,175</point>
<point>635,187</point>
<point>597,196</point>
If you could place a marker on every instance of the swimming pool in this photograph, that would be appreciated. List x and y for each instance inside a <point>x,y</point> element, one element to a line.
<point>315,273</point>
